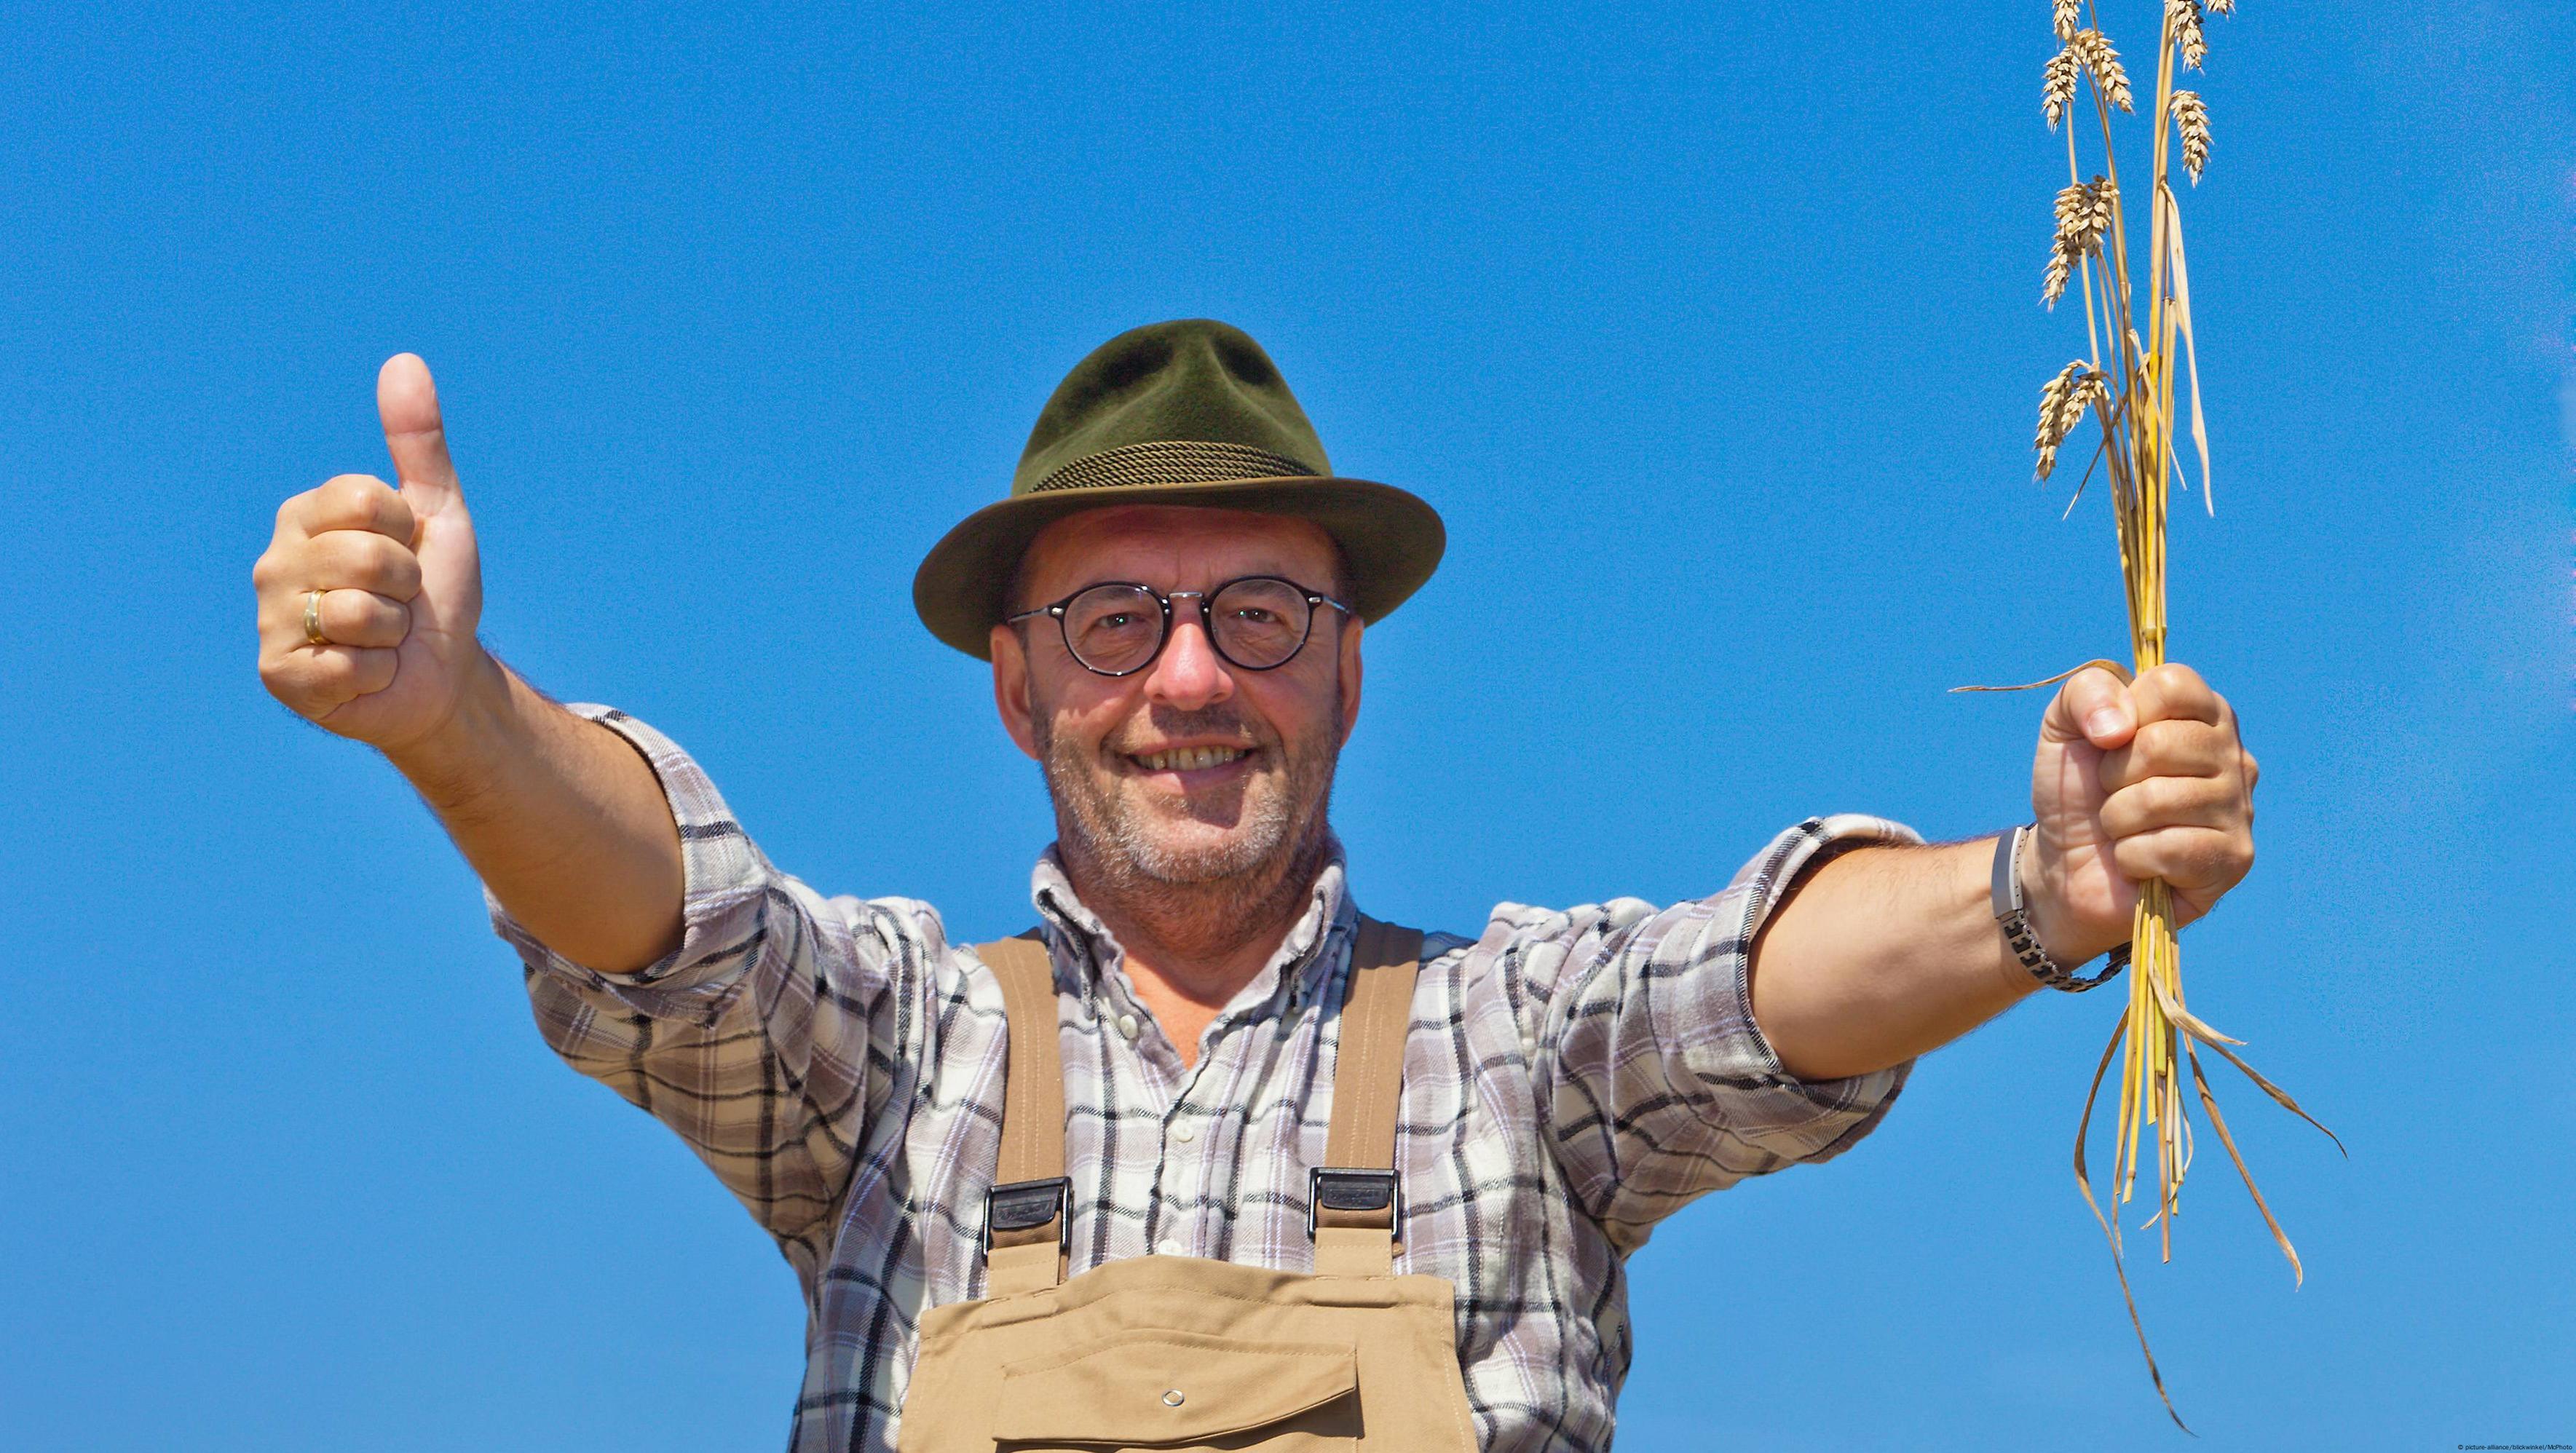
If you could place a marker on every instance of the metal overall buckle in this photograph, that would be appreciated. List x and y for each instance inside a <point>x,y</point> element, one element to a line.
<point>1026,1205</point>
<point>1343,1189</point>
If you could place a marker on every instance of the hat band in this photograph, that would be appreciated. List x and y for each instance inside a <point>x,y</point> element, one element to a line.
<point>1173,462</point>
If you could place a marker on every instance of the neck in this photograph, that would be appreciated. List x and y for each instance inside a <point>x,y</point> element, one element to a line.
<point>1200,942</point>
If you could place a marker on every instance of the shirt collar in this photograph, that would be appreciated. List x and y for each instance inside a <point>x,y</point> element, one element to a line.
<point>1304,964</point>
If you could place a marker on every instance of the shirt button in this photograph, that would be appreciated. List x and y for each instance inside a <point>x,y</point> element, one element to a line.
<point>1184,1134</point>
<point>1128,1026</point>
<point>1168,1247</point>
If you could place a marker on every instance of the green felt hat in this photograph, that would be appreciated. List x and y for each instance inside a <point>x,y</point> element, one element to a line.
<point>1184,413</point>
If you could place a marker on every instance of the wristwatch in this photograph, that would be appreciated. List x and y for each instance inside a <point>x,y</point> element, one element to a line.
<point>2015,918</point>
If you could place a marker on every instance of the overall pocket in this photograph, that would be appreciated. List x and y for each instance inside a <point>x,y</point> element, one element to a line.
<point>1172,1390</point>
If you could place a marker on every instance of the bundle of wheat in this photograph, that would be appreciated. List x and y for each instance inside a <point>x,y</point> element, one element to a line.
<point>2132,397</point>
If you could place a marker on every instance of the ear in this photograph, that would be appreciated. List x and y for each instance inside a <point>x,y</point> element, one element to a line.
<point>1347,661</point>
<point>1011,689</point>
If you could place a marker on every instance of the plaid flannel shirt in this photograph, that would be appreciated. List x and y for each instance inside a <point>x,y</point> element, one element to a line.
<point>1572,1077</point>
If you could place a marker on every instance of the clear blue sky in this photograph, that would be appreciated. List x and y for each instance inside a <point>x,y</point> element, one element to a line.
<point>1714,332</point>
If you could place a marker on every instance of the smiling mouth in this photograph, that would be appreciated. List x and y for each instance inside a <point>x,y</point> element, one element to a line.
<point>1186,759</point>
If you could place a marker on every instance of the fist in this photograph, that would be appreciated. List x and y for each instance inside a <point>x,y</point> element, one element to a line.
<point>369,594</point>
<point>2134,781</point>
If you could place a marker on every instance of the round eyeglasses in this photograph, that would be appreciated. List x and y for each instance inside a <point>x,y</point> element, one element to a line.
<point>1118,627</point>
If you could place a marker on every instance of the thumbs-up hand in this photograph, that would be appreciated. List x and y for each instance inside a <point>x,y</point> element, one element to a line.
<point>369,595</point>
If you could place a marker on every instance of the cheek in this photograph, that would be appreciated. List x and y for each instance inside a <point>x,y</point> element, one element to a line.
<point>1076,715</point>
<point>1305,713</point>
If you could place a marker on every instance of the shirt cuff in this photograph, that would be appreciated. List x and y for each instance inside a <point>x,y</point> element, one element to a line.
<point>725,880</point>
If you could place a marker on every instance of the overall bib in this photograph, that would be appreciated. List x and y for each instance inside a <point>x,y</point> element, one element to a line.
<point>1180,1352</point>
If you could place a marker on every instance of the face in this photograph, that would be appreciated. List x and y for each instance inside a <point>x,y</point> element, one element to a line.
<point>1191,770</point>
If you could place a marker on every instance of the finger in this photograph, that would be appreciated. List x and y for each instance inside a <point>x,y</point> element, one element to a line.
<point>2199,862</point>
<point>2162,802</point>
<point>359,560</point>
<point>2175,692</point>
<point>407,402</point>
<point>314,680</point>
<point>2093,706</point>
<point>2170,749</point>
<point>360,618</point>
<point>350,502</point>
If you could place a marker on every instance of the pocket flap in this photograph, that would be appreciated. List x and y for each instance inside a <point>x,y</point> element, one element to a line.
<point>1151,1388</point>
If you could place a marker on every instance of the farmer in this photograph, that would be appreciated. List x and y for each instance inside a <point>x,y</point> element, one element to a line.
<point>1208,1156</point>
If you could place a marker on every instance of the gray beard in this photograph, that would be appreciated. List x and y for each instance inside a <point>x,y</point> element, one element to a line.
<point>1233,889</point>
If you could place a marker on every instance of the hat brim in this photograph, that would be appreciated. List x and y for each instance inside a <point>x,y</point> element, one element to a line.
<point>1390,541</point>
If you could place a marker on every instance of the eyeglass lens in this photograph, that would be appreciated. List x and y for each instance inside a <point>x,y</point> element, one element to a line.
<point>1256,624</point>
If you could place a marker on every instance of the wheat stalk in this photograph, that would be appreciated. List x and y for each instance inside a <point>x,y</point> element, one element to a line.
<point>2130,391</point>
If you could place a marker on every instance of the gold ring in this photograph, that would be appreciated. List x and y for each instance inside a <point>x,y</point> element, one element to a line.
<point>313,618</point>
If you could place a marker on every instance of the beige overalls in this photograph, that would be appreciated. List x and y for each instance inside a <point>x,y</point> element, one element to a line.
<point>1179,1352</point>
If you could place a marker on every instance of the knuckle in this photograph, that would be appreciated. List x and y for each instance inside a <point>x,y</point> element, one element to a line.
<point>2162,800</point>
<point>299,684</point>
<point>2162,743</point>
<point>344,496</point>
<point>354,501</point>
<point>379,621</point>
<point>298,511</point>
<point>2175,673</point>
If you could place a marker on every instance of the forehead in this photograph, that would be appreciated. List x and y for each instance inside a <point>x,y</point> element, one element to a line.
<point>1173,548</point>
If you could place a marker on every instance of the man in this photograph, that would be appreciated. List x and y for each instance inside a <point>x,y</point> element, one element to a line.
<point>1173,600</point>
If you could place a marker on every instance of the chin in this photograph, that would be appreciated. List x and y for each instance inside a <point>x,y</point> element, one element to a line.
<point>1194,858</point>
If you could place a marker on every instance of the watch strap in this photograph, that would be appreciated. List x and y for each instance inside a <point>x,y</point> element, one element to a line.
<point>2013,914</point>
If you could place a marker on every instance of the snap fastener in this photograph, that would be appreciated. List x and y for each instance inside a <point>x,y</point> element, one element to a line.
<point>1173,1398</point>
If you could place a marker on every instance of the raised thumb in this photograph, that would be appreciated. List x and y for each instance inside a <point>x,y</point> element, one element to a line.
<point>407,401</point>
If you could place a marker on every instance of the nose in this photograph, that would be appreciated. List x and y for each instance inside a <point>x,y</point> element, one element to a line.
<point>1189,675</point>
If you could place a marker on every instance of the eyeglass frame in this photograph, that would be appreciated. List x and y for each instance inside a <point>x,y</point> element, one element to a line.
<point>1207,622</point>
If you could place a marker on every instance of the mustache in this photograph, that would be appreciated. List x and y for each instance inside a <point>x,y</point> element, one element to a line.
<point>1165,723</point>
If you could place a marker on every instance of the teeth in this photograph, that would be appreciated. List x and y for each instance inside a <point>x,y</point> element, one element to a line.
<point>1189,757</point>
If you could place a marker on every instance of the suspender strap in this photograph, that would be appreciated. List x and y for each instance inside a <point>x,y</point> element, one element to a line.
<point>1353,1206</point>
<point>1029,1212</point>
<point>1354,1209</point>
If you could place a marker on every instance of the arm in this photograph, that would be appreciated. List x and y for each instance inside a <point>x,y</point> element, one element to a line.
<point>1657,1085</point>
<point>561,818</point>
<point>563,821</point>
<point>665,956</point>
<point>1888,952</point>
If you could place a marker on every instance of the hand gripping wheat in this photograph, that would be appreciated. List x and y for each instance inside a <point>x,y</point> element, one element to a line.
<point>2126,383</point>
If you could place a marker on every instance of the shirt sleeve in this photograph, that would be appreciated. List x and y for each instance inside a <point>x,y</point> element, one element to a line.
<point>1658,1085</point>
<point>764,1039</point>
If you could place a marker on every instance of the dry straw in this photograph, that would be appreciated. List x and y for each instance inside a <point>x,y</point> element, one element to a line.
<point>2131,394</point>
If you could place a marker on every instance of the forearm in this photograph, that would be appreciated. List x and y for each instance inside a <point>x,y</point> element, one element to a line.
<point>1884,953</point>
<point>562,819</point>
